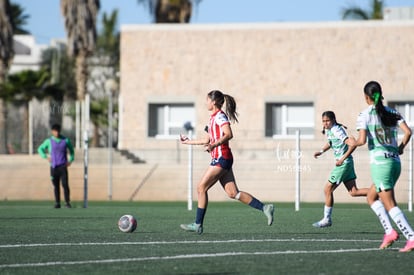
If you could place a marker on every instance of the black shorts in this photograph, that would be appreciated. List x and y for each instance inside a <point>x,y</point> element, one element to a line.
<point>222,162</point>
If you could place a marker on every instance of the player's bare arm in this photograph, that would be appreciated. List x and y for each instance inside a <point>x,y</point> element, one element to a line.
<point>325,148</point>
<point>201,141</point>
<point>406,137</point>
<point>351,149</point>
<point>227,135</point>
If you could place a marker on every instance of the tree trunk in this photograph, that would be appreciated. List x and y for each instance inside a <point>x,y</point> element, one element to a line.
<point>3,114</point>
<point>81,75</point>
<point>25,137</point>
<point>56,108</point>
<point>3,127</point>
<point>173,11</point>
<point>95,138</point>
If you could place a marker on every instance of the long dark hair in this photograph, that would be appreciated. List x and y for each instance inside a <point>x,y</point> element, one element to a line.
<point>374,91</point>
<point>220,99</point>
<point>331,116</point>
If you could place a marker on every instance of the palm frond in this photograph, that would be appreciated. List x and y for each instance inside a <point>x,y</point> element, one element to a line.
<point>18,19</point>
<point>170,11</point>
<point>355,13</point>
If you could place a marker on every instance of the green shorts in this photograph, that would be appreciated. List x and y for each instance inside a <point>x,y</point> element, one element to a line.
<point>343,173</point>
<point>385,176</point>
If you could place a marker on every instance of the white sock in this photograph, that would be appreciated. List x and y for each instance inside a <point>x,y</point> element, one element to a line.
<point>382,215</point>
<point>327,212</point>
<point>399,218</point>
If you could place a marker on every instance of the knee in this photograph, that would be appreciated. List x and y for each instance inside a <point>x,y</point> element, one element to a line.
<point>371,199</point>
<point>234,195</point>
<point>201,189</point>
<point>353,192</point>
<point>328,190</point>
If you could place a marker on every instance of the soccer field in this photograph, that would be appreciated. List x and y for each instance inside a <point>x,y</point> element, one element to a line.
<point>37,239</point>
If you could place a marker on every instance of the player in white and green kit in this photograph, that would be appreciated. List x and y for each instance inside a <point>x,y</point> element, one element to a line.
<point>378,126</point>
<point>344,167</point>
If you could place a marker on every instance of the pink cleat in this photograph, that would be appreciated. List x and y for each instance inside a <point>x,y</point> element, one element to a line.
<point>389,239</point>
<point>408,246</point>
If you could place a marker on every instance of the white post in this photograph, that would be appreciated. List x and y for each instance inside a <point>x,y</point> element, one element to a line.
<point>85,169</point>
<point>77,125</point>
<point>31,127</point>
<point>110,144</point>
<point>110,87</point>
<point>297,168</point>
<point>87,114</point>
<point>120,121</point>
<point>86,149</point>
<point>410,177</point>
<point>190,174</point>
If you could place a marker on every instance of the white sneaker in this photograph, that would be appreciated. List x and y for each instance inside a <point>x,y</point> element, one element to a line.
<point>323,223</point>
<point>192,227</point>
<point>268,210</point>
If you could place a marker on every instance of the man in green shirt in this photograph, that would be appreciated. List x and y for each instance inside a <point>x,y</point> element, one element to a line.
<point>55,150</point>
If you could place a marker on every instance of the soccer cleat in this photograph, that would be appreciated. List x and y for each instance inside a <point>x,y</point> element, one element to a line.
<point>268,210</point>
<point>322,223</point>
<point>57,205</point>
<point>389,239</point>
<point>409,246</point>
<point>67,205</point>
<point>192,227</point>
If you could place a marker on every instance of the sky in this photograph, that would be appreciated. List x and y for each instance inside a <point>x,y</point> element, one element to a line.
<point>46,22</point>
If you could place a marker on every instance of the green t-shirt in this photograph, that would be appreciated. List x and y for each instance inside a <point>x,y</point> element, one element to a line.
<point>382,140</point>
<point>46,147</point>
<point>336,137</point>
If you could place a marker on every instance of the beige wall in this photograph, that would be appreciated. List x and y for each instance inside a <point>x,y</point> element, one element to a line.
<point>324,63</point>
<point>327,63</point>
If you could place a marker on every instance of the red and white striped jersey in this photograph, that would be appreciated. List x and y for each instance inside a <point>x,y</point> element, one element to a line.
<point>217,120</point>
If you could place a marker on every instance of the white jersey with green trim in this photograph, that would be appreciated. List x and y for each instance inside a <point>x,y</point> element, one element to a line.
<point>382,140</point>
<point>336,137</point>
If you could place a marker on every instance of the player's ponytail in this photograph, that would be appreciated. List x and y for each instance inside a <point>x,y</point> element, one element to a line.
<point>220,99</point>
<point>331,116</point>
<point>373,90</point>
<point>231,108</point>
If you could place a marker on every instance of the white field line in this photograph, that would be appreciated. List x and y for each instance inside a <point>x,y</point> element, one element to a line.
<point>187,256</point>
<point>181,242</point>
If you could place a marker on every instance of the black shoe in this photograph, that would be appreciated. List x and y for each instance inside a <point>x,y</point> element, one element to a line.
<point>68,205</point>
<point>57,205</point>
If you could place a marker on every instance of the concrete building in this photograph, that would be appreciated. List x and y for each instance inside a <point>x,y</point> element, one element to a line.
<point>282,75</point>
<point>28,54</point>
<point>399,13</point>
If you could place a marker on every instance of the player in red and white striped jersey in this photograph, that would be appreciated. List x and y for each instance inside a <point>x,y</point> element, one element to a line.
<point>220,169</point>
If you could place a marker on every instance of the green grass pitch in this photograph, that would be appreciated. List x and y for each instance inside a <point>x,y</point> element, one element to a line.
<point>37,239</point>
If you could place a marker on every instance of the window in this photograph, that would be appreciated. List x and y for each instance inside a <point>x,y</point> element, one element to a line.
<point>284,119</point>
<point>167,120</point>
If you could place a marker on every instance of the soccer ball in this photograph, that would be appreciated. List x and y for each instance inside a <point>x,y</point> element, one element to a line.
<point>127,224</point>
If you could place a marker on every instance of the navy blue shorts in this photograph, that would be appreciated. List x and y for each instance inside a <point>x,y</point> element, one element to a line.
<point>223,163</point>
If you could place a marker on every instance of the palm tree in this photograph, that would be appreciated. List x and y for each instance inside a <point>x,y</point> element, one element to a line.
<point>106,60</point>
<point>355,12</point>
<point>6,38</point>
<point>20,88</point>
<point>170,11</point>
<point>6,56</point>
<point>61,70</point>
<point>108,39</point>
<point>18,19</point>
<point>80,25</point>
